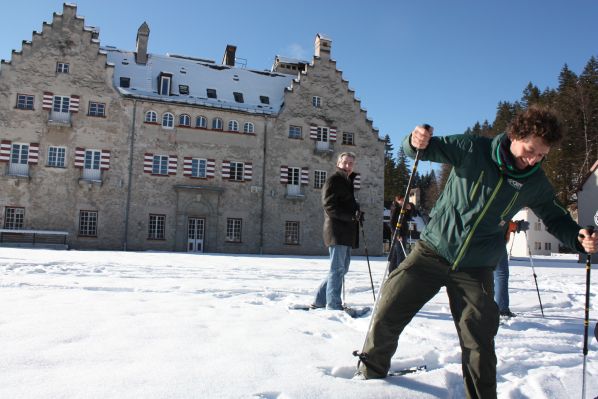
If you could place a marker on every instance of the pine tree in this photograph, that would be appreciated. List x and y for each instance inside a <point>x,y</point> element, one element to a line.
<point>389,170</point>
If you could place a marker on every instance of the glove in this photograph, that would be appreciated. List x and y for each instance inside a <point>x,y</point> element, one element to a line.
<point>522,225</point>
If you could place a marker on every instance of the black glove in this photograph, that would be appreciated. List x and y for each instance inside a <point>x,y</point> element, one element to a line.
<point>522,225</point>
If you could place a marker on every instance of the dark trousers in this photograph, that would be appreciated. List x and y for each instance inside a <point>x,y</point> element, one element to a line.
<point>397,254</point>
<point>475,314</point>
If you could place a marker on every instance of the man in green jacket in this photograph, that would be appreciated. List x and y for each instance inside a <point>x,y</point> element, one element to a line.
<point>490,181</point>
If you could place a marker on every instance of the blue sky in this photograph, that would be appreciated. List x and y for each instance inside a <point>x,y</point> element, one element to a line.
<point>446,63</point>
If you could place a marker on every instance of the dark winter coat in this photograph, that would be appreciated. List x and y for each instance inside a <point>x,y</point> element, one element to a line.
<point>395,211</point>
<point>481,195</point>
<point>338,200</point>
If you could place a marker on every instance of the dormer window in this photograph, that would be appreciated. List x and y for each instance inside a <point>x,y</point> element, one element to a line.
<point>62,67</point>
<point>238,97</point>
<point>265,99</point>
<point>164,83</point>
<point>125,82</point>
<point>184,90</point>
<point>211,93</point>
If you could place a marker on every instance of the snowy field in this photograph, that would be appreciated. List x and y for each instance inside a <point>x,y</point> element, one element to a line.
<point>172,325</point>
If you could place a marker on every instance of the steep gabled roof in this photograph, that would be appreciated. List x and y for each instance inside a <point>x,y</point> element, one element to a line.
<point>199,75</point>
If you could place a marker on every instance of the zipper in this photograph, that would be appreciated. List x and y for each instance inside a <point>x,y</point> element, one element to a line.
<point>508,208</point>
<point>475,187</point>
<point>478,220</point>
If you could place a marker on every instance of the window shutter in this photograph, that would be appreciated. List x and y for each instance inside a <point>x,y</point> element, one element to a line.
<point>284,174</point>
<point>313,132</point>
<point>172,164</point>
<point>74,104</point>
<point>105,160</point>
<point>248,171</point>
<point>226,169</point>
<point>210,168</point>
<point>48,100</point>
<point>357,181</point>
<point>187,166</point>
<point>79,157</point>
<point>5,146</point>
<point>305,176</point>
<point>148,162</point>
<point>332,132</point>
<point>33,154</point>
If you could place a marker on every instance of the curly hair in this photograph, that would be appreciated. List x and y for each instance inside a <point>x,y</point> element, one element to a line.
<point>537,121</point>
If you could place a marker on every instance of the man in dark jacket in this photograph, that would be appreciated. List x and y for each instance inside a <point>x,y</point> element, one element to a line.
<point>341,219</point>
<point>491,180</point>
<point>399,249</point>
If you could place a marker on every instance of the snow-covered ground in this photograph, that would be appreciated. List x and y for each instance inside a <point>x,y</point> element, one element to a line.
<point>85,324</point>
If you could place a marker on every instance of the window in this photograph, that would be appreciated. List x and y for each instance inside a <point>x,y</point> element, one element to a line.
<point>211,93</point>
<point>233,126</point>
<point>88,223</point>
<point>294,176</point>
<point>198,167</point>
<point>168,120</point>
<point>13,218</point>
<point>295,132</point>
<point>151,117</point>
<point>248,127</point>
<point>238,97</point>
<point>125,82</point>
<point>184,90</point>
<point>319,178</point>
<point>322,134</point>
<point>91,165</point>
<point>56,156</point>
<point>547,246</point>
<point>537,246</point>
<point>538,225</point>
<point>237,170</point>
<point>156,227</point>
<point>201,122</point>
<point>24,101</point>
<point>184,120</point>
<point>233,229</point>
<point>164,81</point>
<point>316,101</point>
<point>19,157</point>
<point>291,233</point>
<point>217,124</point>
<point>160,165</point>
<point>265,99</point>
<point>62,67</point>
<point>97,109</point>
<point>348,138</point>
<point>61,104</point>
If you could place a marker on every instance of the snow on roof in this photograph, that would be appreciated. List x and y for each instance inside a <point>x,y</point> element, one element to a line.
<point>288,60</point>
<point>199,75</point>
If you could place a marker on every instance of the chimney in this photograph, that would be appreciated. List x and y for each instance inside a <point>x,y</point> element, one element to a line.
<point>141,49</point>
<point>229,55</point>
<point>322,46</point>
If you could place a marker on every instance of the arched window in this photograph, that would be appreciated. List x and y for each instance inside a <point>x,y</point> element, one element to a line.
<point>248,128</point>
<point>151,117</point>
<point>168,120</point>
<point>201,121</point>
<point>217,124</point>
<point>233,126</point>
<point>184,120</point>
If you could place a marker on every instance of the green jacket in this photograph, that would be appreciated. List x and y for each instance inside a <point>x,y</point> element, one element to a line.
<point>469,219</point>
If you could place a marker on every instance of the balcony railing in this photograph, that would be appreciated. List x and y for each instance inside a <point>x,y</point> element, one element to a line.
<point>91,174</point>
<point>18,169</point>
<point>323,147</point>
<point>60,118</point>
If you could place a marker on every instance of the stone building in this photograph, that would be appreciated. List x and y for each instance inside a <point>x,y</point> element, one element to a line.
<point>132,150</point>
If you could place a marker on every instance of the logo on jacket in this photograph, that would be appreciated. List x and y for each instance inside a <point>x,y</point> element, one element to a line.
<point>596,218</point>
<point>515,184</point>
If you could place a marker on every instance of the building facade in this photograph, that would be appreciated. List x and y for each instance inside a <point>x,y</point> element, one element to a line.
<point>132,150</point>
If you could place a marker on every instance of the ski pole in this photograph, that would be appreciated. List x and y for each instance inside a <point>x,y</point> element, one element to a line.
<point>367,257</point>
<point>361,355</point>
<point>531,260</point>
<point>586,320</point>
